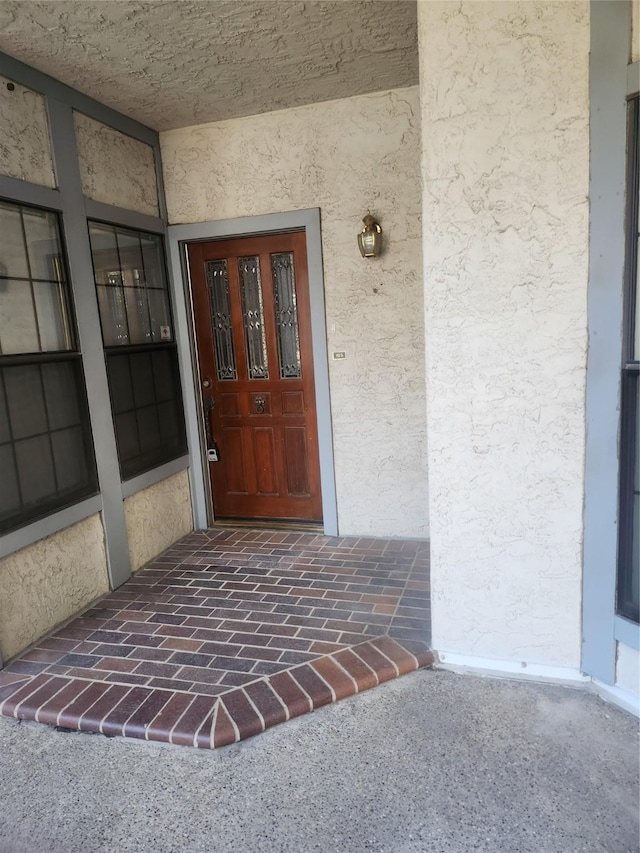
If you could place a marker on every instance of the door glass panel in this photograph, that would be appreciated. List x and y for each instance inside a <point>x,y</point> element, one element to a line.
<point>218,282</point>
<point>253,317</point>
<point>284,287</point>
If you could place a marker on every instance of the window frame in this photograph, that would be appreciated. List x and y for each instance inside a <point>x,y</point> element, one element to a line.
<point>630,377</point>
<point>114,350</point>
<point>61,499</point>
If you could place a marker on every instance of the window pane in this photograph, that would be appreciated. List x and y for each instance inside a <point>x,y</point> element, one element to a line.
<point>120,384</point>
<point>61,394</point>
<point>163,377</point>
<point>18,328</point>
<point>51,441</point>
<point>26,401</point>
<point>148,429</point>
<point>160,318</point>
<point>113,311</point>
<point>132,287</point>
<point>636,308</point>
<point>134,281</point>
<point>70,465</point>
<point>169,424</point>
<point>43,244</point>
<point>137,303</point>
<point>127,438</point>
<point>151,430</point>
<point>54,331</point>
<point>104,251</point>
<point>13,257</point>
<point>35,469</point>
<point>153,260</point>
<point>142,378</point>
<point>34,317</point>
<point>5,435</point>
<point>9,493</point>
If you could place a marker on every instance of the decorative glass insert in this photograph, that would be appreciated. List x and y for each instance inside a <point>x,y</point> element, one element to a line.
<point>253,317</point>
<point>131,285</point>
<point>34,302</point>
<point>218,282</point>
<point>284,288</point>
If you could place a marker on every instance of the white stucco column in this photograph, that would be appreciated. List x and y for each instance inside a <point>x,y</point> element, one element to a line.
<point>505,165</point>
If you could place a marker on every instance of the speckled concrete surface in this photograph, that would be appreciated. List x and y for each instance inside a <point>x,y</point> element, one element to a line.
<point>431,762</point>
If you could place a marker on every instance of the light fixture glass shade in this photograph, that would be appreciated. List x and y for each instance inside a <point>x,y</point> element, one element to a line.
<point>370,238</point>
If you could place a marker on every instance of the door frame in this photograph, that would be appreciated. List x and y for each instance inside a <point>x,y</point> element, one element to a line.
<point>250,226</point>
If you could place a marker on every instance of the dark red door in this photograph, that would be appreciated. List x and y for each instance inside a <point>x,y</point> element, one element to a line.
<point>253,329</point>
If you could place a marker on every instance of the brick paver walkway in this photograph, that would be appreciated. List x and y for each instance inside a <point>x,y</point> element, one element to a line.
<point>228,632</point>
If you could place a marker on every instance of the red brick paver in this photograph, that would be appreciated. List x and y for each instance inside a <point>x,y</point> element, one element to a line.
<point>228,633</point>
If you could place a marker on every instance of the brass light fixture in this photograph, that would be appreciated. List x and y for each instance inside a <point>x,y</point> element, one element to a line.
<point>370,238</point>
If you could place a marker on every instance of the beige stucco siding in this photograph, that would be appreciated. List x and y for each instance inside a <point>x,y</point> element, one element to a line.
<point>25,147</point>
<point>115,168</point>
<point>49,581</point>
<point>345,157</point>
<point>158,516</point>
<point>505,111</point>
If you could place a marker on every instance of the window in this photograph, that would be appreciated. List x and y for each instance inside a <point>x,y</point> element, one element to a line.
<point>629,536</point>
<point>141,354</point>
<point>46,452</point>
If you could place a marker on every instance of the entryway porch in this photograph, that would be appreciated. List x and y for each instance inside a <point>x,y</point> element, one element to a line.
<point>230,632</point>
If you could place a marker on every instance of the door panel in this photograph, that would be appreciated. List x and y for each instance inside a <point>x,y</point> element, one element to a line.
<point>253,329</point>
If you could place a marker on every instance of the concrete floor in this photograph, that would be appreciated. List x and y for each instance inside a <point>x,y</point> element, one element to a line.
<point>429,762</point>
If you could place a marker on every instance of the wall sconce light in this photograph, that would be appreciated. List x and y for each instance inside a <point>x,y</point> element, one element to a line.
<point>370,238</point>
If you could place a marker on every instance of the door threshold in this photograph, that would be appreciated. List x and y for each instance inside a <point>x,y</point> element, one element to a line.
<point>270,524</point>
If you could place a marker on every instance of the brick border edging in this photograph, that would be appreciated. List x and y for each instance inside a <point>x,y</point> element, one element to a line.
<point>209,722</point>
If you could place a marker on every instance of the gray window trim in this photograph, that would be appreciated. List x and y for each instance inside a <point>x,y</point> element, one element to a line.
<point>156,475</point>
<point>121,216</point>
<point>88,322</point>
<point>28,193</point>
<point>610,22</point>
<point>32,533</point>
<point>627,632</point>
<point>179,236</point>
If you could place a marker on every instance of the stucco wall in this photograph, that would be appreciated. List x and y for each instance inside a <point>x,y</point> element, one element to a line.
<point>49,581</point>
<point>628,669</point>
<point>635,31</point>
<point>25,148</point>
<point>504,90</point>
<point>157,517</point>
<point>115,168</point>
<point>343,156</point>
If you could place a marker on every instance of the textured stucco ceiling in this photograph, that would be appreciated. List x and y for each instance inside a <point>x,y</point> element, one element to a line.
<point>177,63</point>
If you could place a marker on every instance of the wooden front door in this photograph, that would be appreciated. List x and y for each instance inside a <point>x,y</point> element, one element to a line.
<point>253,329</point>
